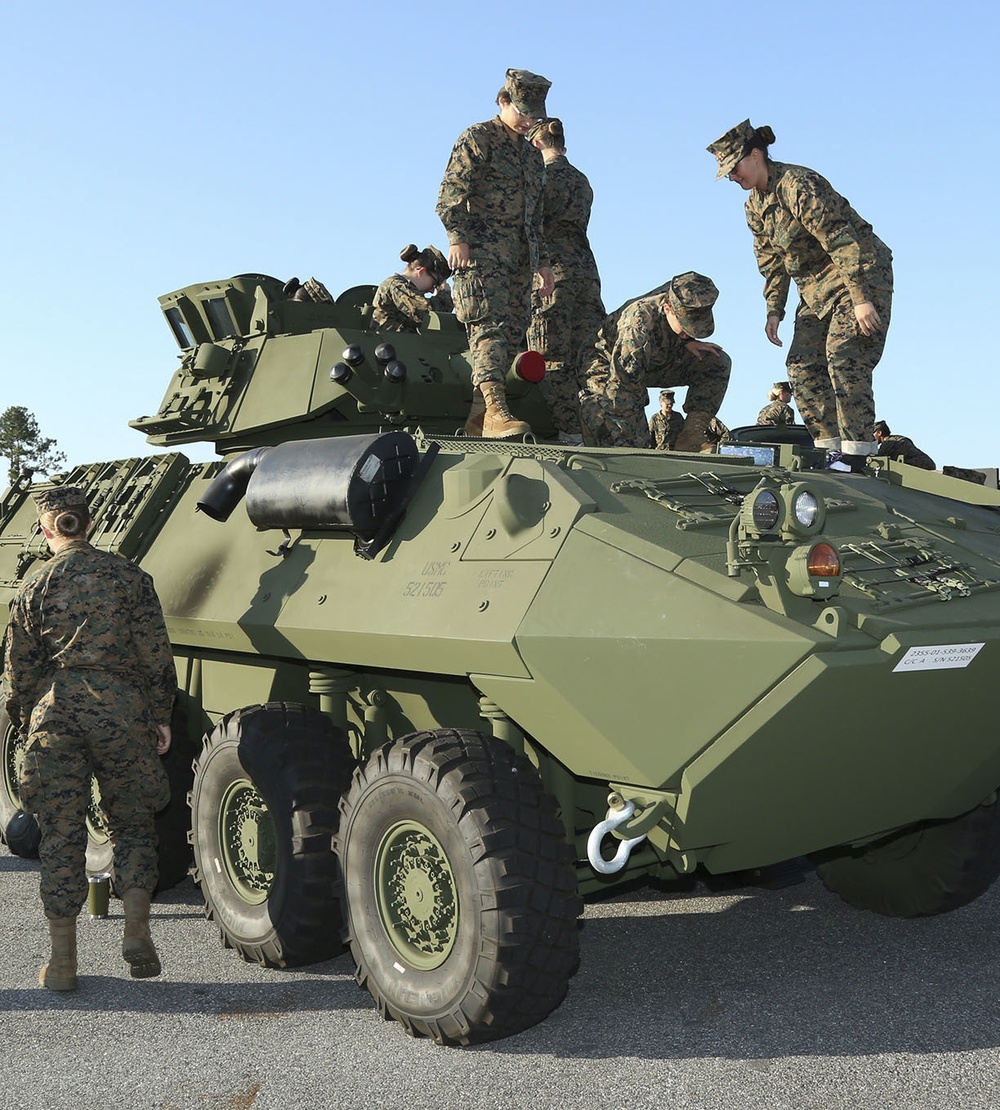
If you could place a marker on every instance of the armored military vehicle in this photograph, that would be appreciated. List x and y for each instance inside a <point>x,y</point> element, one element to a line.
<point>449,686</point>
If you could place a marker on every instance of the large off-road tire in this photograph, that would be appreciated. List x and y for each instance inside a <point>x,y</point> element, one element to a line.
<point>461,900</point>
<point>263,811</point>
<point>930,869</point>
<point>18,829</point>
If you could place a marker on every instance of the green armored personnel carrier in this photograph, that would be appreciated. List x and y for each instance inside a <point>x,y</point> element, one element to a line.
<point>430,670</point>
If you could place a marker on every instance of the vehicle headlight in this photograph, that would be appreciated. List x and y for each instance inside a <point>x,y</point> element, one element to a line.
<point>761,512</point>
<point>805,509</point>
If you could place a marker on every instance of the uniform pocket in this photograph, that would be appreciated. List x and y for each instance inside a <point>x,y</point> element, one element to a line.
<point>471,301</point>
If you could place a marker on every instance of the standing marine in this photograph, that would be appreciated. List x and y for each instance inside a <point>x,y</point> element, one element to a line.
<point>654,340</point>
<point>804,230</point>
<point>400,302</point>
<point>563,321</point>
<point>90,684</point>
<point>665,426</point>
<point>778,410</point>
<point>490,203</point>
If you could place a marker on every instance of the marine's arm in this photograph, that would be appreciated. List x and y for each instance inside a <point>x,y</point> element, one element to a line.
<point>772,269</point>
<point>461,182</point>
<point>154,657</point>
<point>26,663</point>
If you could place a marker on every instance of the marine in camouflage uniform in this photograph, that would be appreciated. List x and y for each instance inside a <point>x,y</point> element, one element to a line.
<point>403,301</point>
<point>399,306</point>
<point>776,413</point>
<point>900,447</point>
<point>564,321</point>
<point>490,198</point>
<point>89,675</point>
<point>803,229</point>
<point>636,348</point>
<point>665,426</point>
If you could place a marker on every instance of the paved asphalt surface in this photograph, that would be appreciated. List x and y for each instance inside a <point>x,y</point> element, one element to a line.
<point>722,997</point>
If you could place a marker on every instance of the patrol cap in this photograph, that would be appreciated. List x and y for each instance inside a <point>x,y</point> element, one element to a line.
<point>60,498</point>
<point>731,147</point>
<point>783,387</point>
<point>527,92</point>
<point>666,394</point>
<point>691,297</point>
<point>435,262</point>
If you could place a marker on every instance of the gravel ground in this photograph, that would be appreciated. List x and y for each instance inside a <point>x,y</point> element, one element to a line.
<point>721,996</point>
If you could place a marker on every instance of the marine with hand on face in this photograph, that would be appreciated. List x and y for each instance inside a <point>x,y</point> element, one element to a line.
<point>490,203</point>
<point>400,302</point>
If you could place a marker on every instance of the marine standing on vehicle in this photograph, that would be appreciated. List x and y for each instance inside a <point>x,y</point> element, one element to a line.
<point>563,321</point>
<point>91,684</point>
<point>803,229</point>
<point>490,203</point>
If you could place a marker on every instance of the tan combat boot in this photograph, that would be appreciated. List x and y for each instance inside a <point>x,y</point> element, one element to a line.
<point>693,437</point>
<point>498,421</point>
<point>137,947</point>
<point>474,425</point>
<point>59,974</point>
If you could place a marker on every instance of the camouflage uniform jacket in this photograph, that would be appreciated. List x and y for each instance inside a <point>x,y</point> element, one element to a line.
<point>637,342</point>
<point>491,195</point>
<point>399,306</point>
<point>803,229</point>
<point>664,428</point>
<point>566,204</point>
<point>902,447</point>
<point>777,412</point>
<point>87,610</point>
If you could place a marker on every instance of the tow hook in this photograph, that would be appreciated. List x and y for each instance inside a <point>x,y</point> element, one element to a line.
<point>622,812</point>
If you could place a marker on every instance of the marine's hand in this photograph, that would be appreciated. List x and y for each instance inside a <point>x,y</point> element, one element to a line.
<point>771,330</point>
<point>163,739</point>
<point>548,280</point>
<point>458,256</point>
<point>699,348</point>
<point>868,318</point>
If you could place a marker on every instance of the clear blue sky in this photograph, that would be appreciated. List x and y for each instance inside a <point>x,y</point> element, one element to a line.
<point>147,147</point>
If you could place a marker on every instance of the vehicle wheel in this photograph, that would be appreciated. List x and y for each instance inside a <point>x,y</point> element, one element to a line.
<point>929,869</point>
<point>19,829</point>
<point>263,811</point>
<point>461,900</point>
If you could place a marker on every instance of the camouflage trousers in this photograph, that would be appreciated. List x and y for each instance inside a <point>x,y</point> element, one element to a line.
<point>493,300</point>
<point>90,724</point>
<point>613,410</point>
<point>830,366</point>
<point>560,325</point>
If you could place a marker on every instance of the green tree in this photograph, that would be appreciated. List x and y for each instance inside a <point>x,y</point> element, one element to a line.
<point>23,445</point>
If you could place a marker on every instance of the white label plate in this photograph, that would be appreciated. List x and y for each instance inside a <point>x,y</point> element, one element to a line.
<point>938,657</point>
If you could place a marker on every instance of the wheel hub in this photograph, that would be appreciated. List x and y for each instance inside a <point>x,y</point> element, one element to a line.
<point>249,843</point>
<point>415,887</point>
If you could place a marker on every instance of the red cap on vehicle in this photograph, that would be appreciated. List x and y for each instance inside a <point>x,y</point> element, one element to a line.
<point>530,366</point>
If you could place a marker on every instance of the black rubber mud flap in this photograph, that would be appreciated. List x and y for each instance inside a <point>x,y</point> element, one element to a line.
<point>460,894</point>
<point>264,809</point>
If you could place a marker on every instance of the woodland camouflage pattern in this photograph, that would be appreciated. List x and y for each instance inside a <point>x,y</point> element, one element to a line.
<point>562,323</point>
<point>634,349</point>
<point>491,199</point>
<point>399,306</point>
<point>664,428</point>
<point>777,413</point>
<point>88,675</point>
<point>902,447</point>
<point>803,229</point>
